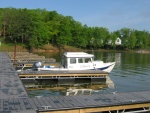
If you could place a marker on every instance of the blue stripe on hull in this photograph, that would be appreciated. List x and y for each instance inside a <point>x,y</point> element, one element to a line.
<point>103,68</point>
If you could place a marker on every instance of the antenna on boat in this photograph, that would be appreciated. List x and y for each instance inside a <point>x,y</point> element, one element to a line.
<point>60,55</point>
<point>93,53</point>
<point>15,52</point>
<point>92,41</point>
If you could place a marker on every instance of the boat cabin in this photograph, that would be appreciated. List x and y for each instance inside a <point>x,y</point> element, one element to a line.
<point>77,60</point>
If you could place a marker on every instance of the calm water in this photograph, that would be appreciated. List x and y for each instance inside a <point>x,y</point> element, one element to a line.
<point>131,73</point>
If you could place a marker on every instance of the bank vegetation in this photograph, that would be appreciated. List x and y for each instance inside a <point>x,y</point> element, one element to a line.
<point>39,28</point>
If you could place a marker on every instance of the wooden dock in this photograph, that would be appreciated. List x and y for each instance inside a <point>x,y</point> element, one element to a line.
<point>78,104</point>
<point>62,74</point>
<point>10,83</point>
<point>14,98</point>
<point>28,58</point>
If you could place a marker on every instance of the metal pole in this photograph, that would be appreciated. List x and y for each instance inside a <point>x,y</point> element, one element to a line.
<point>15,53</point>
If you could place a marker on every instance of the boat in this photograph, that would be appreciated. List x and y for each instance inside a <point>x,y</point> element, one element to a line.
<point>76,61</point>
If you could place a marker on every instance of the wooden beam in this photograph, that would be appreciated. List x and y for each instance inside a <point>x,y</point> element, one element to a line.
<point>71,75</point>
<point>114,108</point>
<point>110,108</point>
<point>64,111</point>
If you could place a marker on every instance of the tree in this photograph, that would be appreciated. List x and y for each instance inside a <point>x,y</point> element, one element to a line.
<point>1,30</point>
<point>113,38</point>
<point>37,27</point>
<point>103,36</point>
<point>64,36</point>
<point>139,39</point>
<point>132,40</point>
<point>8,23</point>
<point>24,24</point>
<point>78,35</point>
<point>146,38</point>
<point>125,34</point>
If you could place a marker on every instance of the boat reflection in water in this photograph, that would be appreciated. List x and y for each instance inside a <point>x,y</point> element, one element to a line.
<point>70,87</point>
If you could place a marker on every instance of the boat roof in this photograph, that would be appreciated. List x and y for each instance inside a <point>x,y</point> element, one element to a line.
<point>78,54</point>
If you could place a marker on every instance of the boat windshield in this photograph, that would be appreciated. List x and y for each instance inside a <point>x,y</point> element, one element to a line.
<point>80,60</point>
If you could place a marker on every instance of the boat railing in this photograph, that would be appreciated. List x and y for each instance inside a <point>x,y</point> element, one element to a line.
<point>112,59</point>
<point>108,59</point>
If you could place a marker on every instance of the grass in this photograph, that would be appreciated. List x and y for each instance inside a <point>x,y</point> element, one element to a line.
<point>21,48</point>
<point>11,47</point>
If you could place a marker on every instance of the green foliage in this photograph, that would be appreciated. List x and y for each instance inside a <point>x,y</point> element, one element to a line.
<point>38,27</point>
<point>132,40</point>
<point>113,38</point>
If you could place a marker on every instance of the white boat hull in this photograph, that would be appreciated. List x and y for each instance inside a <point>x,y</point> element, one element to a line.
<point>107,67</point>
<point>77,61</point>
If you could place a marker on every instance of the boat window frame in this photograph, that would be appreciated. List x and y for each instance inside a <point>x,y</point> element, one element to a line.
<point>74,62</point>
<point>80,60</point>
<point>84,60</point>
<point>87,60</point>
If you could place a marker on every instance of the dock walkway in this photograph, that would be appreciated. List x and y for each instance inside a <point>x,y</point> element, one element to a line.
<point>14,98</point>
<point>10,83</point>
<point>78,104</point>
<point>28,58</point>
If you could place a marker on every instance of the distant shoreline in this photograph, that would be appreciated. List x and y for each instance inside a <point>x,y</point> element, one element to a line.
<point>50,49</point>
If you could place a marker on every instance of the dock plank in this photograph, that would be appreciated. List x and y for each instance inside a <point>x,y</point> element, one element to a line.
<point>88,100</point>
<point>48,103</point>
<point>56,102</point>
<point>61,101</point>
<point>54,105</point>
<point>22,105</point>
<point>73,101</point>
<point>106,99</point>
<point>6,105</point>
<point>11,105</point>
<point>30,102</point>
<point>17,104</point>
<point>1,104</point>
<point>142,96</point>
<point>45,101</point>
<point>79,100</point>
<point>42,103</point>
<point>38,105</point>
<point>65,101</point>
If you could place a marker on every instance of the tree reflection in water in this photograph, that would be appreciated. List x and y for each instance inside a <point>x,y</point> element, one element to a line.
<point>70,87</point>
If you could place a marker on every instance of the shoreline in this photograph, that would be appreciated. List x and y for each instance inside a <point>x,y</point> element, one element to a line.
<point>51,49</point>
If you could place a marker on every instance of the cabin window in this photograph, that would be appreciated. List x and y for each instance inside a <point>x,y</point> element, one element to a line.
<point>84,60</point>
<point>72,60</point>
<point>87,60</point>
<point>80,60</point>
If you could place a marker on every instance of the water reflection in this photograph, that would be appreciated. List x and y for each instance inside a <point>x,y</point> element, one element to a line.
<point>131,72</point>
<point>69,87</point>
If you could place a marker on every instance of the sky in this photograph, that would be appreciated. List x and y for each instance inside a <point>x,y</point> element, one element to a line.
<point>111,14</point>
